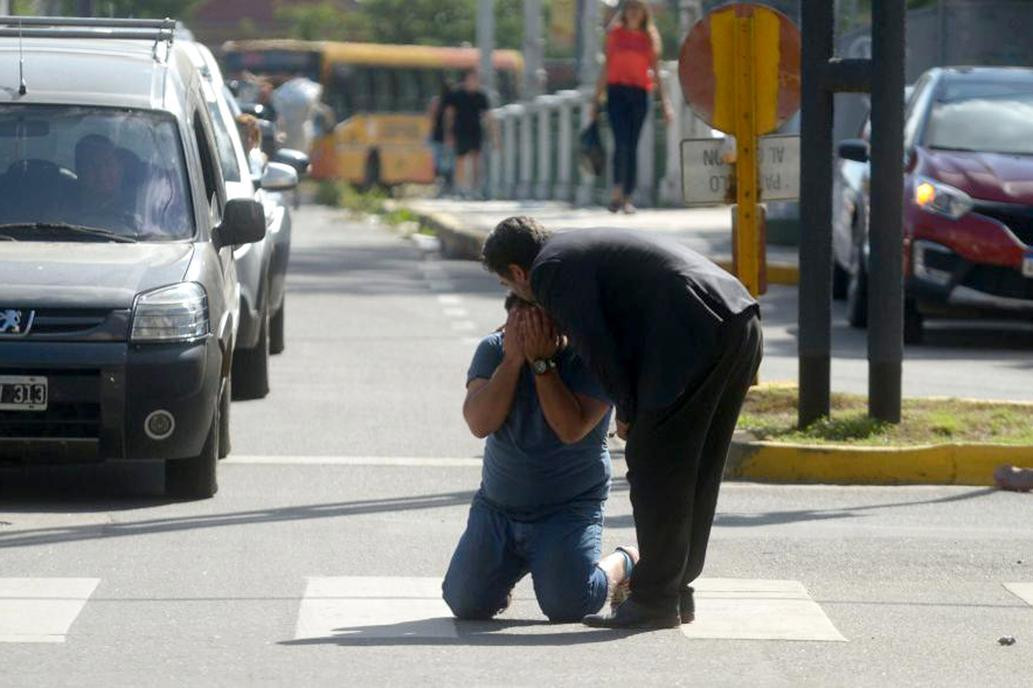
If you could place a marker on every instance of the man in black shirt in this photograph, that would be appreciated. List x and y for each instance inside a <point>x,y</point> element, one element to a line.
<point>464,113</point>
<point>676,343</point>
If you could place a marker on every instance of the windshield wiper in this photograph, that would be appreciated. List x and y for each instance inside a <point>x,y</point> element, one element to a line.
<point>95,232</point>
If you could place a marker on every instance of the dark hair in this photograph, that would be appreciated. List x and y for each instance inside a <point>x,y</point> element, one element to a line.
<point>515,240</point>
<point>514,301</point>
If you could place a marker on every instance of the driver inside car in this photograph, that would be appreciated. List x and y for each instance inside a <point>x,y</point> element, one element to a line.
<point>102,202</point>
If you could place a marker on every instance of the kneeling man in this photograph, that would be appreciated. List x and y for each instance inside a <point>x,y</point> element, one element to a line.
<point>546,476</point>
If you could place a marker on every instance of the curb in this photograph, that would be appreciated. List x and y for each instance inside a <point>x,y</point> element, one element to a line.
<point>941,464</point>
<point>459,242</point>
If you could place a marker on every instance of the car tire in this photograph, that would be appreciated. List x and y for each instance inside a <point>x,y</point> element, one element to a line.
<point>840,282</point>
<point>251,366</point>
<point>224,418</point>
<point>277,340</point>
<point>195,478</point>
<point>914,323</point>
<point>857,293</point>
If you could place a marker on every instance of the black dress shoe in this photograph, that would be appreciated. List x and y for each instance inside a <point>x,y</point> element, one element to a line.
<point>631,614</point>
<point>687,606</point>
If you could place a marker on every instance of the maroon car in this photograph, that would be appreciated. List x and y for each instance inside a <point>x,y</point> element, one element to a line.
<point>968,197</point>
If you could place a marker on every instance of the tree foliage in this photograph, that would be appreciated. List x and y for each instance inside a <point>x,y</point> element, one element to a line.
<point>421,22</point>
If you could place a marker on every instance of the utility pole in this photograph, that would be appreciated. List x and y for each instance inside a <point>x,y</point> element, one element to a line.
<point>486,44</point>
<point>533,48</point>
<point>588,53</point>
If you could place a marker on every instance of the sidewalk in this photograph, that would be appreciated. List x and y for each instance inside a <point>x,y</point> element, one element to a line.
<point>462,226</point>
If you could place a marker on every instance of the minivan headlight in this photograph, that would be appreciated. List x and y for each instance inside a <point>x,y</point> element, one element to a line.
<point>171,314</point>
<point>942,199</point>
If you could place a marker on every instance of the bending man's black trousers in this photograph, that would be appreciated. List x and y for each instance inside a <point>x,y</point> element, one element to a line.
<point>676,457</point>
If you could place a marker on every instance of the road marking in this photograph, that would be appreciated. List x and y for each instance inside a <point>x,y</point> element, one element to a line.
<point>1023,591</point>
<point>744,609</point>
<point>441,285</point>
<point>455,312</point>
<point>449,299</point>
<point>426,462</point>
<point>41,610</point>
<point>463,325</point>
<point>368,607</point>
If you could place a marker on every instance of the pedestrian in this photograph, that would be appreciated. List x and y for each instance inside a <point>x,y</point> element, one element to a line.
<point>629,74</point>
<point>546,476</point>
<point>675,342</point>
<point>442,152</point>
<point>251,136</point>
<point>465,114</point>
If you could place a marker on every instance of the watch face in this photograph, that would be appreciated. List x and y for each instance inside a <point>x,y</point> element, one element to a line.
<point>540,366</point>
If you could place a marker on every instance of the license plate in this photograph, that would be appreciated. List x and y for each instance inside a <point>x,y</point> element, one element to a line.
<point>1027,265</point>
<point>23,393</point>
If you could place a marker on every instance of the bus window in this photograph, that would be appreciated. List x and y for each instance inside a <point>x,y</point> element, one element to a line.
<point>410,96</point>
<point>382,85</point>
<point>362,90</point>
<point>340,94</point>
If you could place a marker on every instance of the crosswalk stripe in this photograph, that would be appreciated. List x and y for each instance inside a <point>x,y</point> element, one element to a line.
<point>41,610</point>
<point>369,607</point>
<point>759,609</point>
<point>1023,591</point>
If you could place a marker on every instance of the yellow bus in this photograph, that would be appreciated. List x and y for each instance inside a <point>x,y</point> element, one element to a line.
<point>379,95</point>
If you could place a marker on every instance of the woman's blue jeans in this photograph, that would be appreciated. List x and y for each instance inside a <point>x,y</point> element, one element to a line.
<point>560,549</point>
<point>626,107</point>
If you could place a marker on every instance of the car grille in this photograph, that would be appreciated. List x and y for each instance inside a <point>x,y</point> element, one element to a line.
<point>73,409</point>
<point>66,321</point>
<point>1018,218</point>
<point>999,281</point>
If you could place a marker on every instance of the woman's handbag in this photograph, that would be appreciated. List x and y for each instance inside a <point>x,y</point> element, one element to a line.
<point>591,154</point>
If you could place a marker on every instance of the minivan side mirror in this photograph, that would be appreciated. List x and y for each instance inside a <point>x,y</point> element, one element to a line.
<point>295,158</point>
<point>278,177</point>
<point>243,222</point>
<point>854,149</point>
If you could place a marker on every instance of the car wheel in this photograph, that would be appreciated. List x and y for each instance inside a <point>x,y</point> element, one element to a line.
<point>840,282</point>
<point>913,323</point>
<point>277,341</point>
<point>195,478</point>
<point>251,366</point>
<point>857,293</point>
<point>224,418</point>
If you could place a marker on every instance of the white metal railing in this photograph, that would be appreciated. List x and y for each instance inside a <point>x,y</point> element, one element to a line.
<point>537,157</point>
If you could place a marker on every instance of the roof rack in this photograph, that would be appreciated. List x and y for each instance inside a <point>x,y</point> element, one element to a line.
<point>157,30</point>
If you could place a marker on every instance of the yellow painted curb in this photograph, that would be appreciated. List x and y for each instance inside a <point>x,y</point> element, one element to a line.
<point>778,273</point>
<point>943,464</point>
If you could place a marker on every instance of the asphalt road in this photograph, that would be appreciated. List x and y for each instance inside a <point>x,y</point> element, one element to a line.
<point>317,563</point>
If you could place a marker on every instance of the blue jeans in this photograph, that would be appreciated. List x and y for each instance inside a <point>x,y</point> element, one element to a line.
<point>626,107</point>
<point>559,549</point>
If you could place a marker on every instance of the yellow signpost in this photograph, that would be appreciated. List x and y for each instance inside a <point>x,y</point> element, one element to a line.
<point>740,72</point>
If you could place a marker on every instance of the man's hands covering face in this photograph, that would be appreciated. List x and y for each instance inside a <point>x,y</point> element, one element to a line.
<point>540,339</point>
<point>512,339</point>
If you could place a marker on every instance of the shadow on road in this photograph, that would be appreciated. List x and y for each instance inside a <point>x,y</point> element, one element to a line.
<point>428,632</point>
<point>62,534</point>
<point>775,518</point>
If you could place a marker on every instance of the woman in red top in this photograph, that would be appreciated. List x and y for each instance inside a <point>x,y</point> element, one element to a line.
<point>628,76</point>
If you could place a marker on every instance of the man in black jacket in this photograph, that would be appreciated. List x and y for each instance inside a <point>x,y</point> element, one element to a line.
<point>676,343</point>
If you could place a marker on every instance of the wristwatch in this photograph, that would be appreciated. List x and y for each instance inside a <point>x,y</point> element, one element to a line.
<point>541,366</point>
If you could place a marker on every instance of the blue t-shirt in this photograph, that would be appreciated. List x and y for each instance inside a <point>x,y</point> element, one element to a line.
<point>526,467</point>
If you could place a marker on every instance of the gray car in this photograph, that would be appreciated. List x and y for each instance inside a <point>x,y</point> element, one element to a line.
<point>119,300</point>
<point>262,266</point>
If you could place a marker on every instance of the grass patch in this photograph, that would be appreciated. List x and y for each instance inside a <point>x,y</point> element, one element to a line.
<point>770,414</point>
<point>372,202</point>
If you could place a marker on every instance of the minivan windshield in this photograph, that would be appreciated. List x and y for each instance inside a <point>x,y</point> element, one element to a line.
<point>116,170</point>
<point>988,117</point>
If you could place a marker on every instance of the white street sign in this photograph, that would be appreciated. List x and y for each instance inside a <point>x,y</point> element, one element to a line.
<point>708,180</point>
